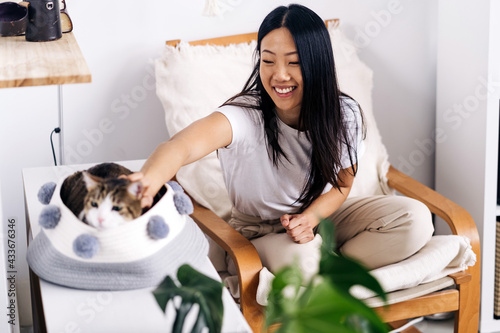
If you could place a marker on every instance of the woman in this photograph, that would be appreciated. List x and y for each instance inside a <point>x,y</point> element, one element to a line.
<point>289,145</point>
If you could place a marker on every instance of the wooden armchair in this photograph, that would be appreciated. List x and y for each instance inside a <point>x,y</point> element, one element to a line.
<point>464,298</point>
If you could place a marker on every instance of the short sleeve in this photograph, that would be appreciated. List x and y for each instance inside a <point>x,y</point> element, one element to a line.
<point>245,125</point>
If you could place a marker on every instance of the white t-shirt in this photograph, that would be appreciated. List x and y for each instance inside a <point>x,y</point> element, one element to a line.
<point>256,186</point>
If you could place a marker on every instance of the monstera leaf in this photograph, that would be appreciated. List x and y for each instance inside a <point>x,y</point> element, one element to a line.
<point>344,272</point>
<point>193,288</point>
<point>324,304</point>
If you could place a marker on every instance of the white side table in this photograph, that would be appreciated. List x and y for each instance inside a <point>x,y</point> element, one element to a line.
<point>59,309</point>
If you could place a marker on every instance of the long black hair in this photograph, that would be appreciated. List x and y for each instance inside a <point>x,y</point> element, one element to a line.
<point>321,117</point>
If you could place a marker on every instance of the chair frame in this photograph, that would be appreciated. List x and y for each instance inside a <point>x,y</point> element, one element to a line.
<point>465,299</point>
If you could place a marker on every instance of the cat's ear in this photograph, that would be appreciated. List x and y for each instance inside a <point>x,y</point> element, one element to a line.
<point>136,189</point>
<point>91,181</point>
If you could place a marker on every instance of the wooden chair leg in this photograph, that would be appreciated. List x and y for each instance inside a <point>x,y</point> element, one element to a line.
<point>467,315</point>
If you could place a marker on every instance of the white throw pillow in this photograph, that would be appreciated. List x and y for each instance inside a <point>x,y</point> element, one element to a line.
<point>355,78</point>
<point>192,81</point>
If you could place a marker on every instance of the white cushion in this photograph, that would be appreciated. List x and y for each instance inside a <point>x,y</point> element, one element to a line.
<point>356,80</point>
<point>192,81</point>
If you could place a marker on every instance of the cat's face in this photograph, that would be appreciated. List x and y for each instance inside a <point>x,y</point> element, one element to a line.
<point>111,202</point>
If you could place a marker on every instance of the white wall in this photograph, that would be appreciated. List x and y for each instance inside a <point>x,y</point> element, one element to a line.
<point>468,117</point>
<point>118,116</point>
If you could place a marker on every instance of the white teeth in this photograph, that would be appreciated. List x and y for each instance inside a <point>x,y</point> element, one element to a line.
<point>284,91</point>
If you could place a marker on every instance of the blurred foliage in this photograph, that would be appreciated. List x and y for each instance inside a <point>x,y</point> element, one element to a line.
<point>324,304</point>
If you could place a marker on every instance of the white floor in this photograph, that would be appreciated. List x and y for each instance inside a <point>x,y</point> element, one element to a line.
<point>425,326</point>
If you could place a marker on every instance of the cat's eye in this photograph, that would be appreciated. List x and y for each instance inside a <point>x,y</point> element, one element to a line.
<point>93,204</point>
<point>117,208</point>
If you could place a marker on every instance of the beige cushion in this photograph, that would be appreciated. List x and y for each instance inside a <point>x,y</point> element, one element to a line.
<point>192,81</point>
<point>410,293</point>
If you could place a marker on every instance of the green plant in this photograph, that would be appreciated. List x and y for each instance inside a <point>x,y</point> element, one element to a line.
<point>324,304</point>
<point>193,288</point>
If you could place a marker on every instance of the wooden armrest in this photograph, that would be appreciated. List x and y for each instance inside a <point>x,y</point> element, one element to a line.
<point>244,255</point>
<point>459,220</point>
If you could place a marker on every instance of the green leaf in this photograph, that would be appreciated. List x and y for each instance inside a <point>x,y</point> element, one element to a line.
<point>208,293</point>
<point>278,304</point>
<point>327,231</point>
<point>194,288</point>
<point>329,304</point>
<point>182,312</point>
<point>327,310</point>
<point>164,292</point>
<point>343,271</point>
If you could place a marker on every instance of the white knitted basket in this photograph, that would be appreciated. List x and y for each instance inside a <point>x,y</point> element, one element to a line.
<point>137,254</point>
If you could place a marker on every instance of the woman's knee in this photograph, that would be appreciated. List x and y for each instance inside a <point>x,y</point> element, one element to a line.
<point>418,227</point>
<point>278,250</point>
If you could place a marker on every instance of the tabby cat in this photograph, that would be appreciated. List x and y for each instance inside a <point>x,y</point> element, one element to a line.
<point>100,198</point>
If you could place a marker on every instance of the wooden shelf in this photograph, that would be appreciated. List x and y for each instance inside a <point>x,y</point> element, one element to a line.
<point>24,63</point>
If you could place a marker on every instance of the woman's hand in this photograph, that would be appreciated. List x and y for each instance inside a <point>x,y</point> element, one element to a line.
<point>299,227</point>
<point>189,145</point>
<point>147,196</point>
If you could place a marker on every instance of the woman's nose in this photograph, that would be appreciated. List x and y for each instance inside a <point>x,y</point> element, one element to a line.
<point>281,74</point>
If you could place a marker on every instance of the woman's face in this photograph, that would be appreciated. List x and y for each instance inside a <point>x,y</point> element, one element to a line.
<point>280,74</point>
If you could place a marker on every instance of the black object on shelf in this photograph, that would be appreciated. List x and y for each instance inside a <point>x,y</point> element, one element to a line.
<point>44,21</point>
<point>13,19</point>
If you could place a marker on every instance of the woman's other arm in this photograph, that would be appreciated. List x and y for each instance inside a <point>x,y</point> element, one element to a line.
<point>300,226</point>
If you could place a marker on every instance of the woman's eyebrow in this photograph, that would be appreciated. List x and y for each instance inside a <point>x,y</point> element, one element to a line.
<point>286,54</point>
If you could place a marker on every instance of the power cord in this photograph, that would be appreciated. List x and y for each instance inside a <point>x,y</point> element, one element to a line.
<point>409,324</point>
<point>56,130</point>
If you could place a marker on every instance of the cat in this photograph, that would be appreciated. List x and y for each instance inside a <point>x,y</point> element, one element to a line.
<point>100,198</point>
<point>110,202</point>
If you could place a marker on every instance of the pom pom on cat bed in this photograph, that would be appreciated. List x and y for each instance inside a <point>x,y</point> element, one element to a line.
<point>86,246</point>
<point>46,191</point>
<point>50,217</point>
<point>157,228</point>
<point>137,254</point>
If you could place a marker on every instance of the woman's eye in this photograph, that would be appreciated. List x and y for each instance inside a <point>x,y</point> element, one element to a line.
<point>117,208</point>
<point>294,63</point>
<point>267,61</point>
<point>94,204</point>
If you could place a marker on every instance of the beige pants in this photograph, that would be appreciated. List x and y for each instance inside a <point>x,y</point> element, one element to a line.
<point>376,230</point>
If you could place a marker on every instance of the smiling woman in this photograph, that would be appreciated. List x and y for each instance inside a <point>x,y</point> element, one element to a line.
<point>289,145</point>
<point>295,52</point>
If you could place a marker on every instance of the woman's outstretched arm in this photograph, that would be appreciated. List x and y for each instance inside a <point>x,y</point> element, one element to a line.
<point>189,145</point>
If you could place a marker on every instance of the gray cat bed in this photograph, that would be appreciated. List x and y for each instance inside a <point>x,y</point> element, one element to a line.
<point>137,254</point>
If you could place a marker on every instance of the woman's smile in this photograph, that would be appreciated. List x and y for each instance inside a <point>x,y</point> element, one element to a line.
<point>284,91</point>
